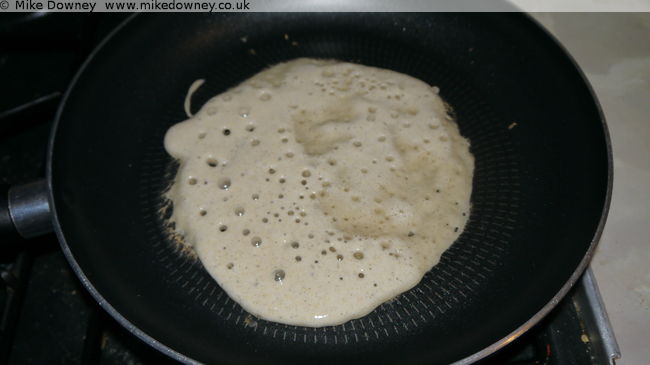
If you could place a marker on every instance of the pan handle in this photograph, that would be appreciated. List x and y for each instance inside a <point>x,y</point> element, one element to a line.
<point>25,210</point>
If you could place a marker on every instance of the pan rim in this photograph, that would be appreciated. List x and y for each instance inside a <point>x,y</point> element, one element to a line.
<point>586,260</point>
<point>57,226</point>
<point>123,321</point>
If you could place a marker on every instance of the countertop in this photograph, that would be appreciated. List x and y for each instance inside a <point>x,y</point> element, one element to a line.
<point>613,49</point>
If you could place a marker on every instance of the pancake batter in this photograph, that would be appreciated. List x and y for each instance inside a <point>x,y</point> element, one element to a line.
<point>317,190</point>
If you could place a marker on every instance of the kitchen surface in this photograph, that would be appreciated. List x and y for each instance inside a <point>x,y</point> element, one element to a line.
<point>613,50</point>
<point>49,318</point>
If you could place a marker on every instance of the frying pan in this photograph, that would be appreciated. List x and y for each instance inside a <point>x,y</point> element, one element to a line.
<point>540,192</point>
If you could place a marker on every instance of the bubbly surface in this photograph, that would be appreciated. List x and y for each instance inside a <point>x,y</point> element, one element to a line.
<point>317,190</point>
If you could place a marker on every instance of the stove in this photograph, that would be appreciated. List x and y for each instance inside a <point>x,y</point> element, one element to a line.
<point>49,318</point>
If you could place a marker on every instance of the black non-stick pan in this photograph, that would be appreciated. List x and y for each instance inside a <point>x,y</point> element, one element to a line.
<point>541,184</point>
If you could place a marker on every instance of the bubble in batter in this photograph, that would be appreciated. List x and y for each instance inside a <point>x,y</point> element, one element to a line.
<point>278,275</point>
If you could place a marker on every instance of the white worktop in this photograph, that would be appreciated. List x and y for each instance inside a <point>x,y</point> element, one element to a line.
<point>614,51</point>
